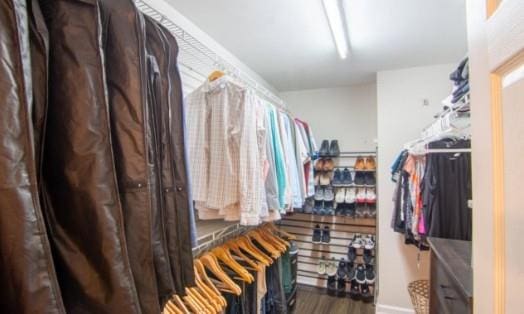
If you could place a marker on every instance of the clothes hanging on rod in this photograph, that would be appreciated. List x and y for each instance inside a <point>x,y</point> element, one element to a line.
<point>433,192</point>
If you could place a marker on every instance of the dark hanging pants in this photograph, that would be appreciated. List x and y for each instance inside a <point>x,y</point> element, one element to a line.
<point>82,196</point>
<point>167,108</point>
<point>126,72</point>
<point>27,274</point>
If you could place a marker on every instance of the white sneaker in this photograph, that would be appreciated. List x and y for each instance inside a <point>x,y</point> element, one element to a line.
<point>350,195</point>
<point>369,243</point>
<point>331,268</point>
<point>361,195</point>
<point>321,267</point>
<point>358,242</point>
<point>341,193</point>
<point>371,196</point>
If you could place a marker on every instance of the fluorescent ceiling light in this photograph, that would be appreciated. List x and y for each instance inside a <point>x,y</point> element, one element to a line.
<point>334,13</point>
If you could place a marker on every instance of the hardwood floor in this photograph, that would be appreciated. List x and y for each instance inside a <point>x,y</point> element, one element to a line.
<point>311,300</point>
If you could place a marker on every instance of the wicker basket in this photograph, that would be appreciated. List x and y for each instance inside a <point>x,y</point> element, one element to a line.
<point>419,292</point>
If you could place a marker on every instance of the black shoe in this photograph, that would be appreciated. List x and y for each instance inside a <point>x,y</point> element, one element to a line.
<point>360,178</point>
<point>324,149</point>
<point>354,292</point>
<point>329,210</point>
<point>337,177</point>
<point>351,210</point>
<point>332,286</point>
<point>334,150</point>
<point>360,274</point>
<point>317,210</point>
<point>346,177</point>
<point>366,295</point>
<point>370,274</point>
<point>352,254</point>
<point>342,269</point>
<point>341,287</point>
<point>317,234</point>
<point>351,270</point>
<point>369,179</point>
<point>368,257</point>
<point>326,237</point>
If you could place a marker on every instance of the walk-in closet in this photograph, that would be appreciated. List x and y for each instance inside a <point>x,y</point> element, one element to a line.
<point>261,157</point>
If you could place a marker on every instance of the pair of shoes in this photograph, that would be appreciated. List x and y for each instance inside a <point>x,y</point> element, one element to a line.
<point>324,194</point>
<point>329,149</point>
<point>365,178</point>
<point>321,235</point>
<point>358,241</point>
<point>346,195</point>
<point>366,196</point>
<point>326,164</point>
<point>342,177</point>
<point>326,267</point>
<point>363,278</point>
<point>367,163</point>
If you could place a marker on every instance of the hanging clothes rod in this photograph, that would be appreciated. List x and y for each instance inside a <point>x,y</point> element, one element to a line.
<point>447,150</point>
<point>196,57</point>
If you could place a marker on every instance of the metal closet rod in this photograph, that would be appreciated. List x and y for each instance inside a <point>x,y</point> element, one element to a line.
<point>215,60</point>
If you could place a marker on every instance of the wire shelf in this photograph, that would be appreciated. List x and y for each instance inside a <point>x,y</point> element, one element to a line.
<point>196,60</point>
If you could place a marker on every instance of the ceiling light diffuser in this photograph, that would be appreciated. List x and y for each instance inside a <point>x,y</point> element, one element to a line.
<point>334,13</point>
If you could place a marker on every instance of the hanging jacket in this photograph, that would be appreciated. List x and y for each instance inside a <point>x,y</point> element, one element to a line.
<point>27,273</point>
<point>176,198</point>
<point>126,74</point>
<point>82,201</point>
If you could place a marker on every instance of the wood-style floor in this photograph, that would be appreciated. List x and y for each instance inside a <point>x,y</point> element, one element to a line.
<point>312,300</point>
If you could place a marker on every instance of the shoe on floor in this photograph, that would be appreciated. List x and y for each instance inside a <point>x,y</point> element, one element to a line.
<point>346,177</point>
<point>331,267</point>
<point>360,164</point>
<point>326,237</point>
<point>354,292</point>
<point>321,267</point>
<point>334,149</point>
<point>370,163</point>
<point>337,177</point>
<point>329,165</point>
<point>324,148</point>
<point>325,179</point>
<point>317,234</point>
<point>341,287</point>
<point>366,295</point>
<point>360,274</point>
<point>332,286</point>
<point>370,274</point>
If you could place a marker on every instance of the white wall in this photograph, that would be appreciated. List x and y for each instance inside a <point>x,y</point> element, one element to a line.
<point>401,117</point>
<point>348,114</point>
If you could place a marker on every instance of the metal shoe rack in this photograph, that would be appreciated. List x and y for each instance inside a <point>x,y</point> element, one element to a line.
<point>342,229</point>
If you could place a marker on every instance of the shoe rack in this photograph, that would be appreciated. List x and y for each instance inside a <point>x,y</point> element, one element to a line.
<point>342,229</point>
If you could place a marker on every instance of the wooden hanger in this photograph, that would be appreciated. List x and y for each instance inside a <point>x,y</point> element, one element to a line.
<point>223,254</point>
<point>171,308</point>
<point>275,253</point>
<point>205,279</point>
<point>272,239</point>
<point>272,226</point>
<point>261,259</point>
<point>178,302</point>
<point>215,75</point>
<point>247,242</point>
<point>236,250</point>
<point>210,262</point>
<point>202,303</point>
<point>193,306</point>
<point>207,291</point>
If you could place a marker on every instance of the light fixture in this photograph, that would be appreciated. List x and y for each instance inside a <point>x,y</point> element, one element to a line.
<point>334,12</point>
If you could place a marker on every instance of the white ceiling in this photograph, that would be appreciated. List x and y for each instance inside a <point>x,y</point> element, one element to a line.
<point>288,42</point>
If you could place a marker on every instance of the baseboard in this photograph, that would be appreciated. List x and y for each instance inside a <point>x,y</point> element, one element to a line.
<point>388,309</point>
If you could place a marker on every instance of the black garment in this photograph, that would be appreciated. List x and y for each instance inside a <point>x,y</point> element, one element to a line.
<point>83,208</point>
<point>27,273</point>
<point>166,102</point>
<point>447,190</point>
<point>275,298</point>
<point>126,74</point>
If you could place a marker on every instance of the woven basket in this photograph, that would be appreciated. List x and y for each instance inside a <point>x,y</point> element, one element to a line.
<point>419,292</point>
